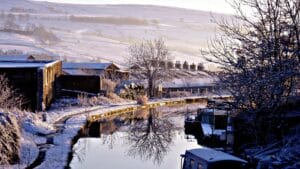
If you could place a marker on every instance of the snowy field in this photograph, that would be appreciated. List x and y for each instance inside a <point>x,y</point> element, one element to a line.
<point>104,32</point>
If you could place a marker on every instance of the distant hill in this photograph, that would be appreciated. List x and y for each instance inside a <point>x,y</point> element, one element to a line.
<point>101,32</point>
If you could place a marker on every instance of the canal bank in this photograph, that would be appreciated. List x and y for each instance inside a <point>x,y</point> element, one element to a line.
<point>60,152</point>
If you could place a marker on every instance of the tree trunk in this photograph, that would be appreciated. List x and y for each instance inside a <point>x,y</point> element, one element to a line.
<point>150,88</point>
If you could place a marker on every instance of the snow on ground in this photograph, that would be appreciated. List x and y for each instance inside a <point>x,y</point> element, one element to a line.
<point>27,44</point>
<point>108,41</point>
<point>28,150</point>
<point>36,126</point>
<point>57,155</point>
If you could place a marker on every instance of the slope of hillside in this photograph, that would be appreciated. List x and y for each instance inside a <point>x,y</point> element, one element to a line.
<point>101,32</point>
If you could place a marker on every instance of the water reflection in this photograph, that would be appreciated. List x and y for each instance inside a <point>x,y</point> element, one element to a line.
<point>149,133</point>
<point>149,138</point>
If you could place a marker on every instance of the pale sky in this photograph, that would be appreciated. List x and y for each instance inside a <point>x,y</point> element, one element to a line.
<point>206,5</point>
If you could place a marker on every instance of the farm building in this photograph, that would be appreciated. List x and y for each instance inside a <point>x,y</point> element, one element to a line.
<point>104,70</point>
<point>35,81</point>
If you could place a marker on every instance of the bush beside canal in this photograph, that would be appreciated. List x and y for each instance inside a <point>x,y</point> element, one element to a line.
<point>9,139</point>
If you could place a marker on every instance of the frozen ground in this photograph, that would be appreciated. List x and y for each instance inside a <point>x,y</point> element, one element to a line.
<point>104,32</point>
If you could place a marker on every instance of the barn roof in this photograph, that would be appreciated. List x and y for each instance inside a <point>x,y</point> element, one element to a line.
<point>87,65</point>
<point>74,72</point>
<point>25,64</point>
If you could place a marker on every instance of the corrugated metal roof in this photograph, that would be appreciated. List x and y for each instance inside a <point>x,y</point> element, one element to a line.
<point>80,65</point>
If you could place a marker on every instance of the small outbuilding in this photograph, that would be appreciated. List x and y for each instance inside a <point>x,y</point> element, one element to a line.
<point>35,81</point>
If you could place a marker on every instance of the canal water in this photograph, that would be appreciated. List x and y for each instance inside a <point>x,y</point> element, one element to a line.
<point>148,139</point>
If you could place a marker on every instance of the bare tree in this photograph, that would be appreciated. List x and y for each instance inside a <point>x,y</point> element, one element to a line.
<point>259,58</point>
<point>150,60</point>
<point>109,85</point>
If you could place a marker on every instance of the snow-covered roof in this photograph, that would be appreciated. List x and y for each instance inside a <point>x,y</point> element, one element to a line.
<point>24,64</point>
<point>15,57</point>
<point>74,72</point>
<point>211,155</point>
<point>193,82</point>
<point>86,65</point>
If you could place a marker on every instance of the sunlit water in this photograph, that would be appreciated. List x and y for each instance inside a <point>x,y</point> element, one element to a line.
<point>153,140</point>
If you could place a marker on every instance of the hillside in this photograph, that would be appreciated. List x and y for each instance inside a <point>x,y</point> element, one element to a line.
<point>101,32</point>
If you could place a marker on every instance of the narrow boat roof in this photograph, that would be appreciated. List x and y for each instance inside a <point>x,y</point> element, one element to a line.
<point>211,155</point>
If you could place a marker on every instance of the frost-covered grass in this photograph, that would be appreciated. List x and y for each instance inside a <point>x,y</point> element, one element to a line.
<point>9,139</point>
